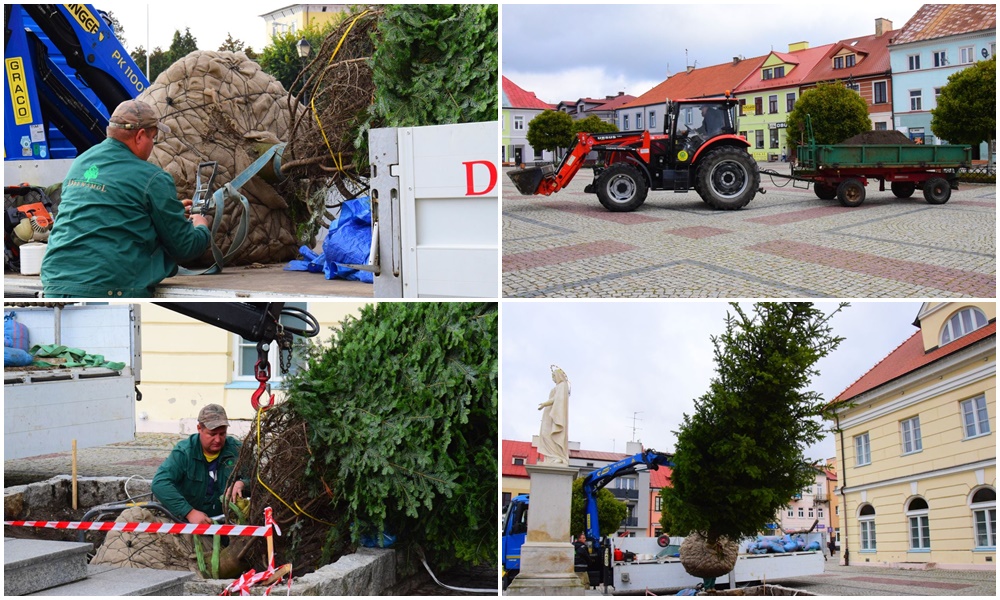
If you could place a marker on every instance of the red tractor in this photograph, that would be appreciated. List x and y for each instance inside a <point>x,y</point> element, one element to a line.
<point>698,149</point>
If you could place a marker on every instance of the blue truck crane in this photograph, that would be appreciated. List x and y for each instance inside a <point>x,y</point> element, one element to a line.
<point>515,526</point>
<point>66,72</point>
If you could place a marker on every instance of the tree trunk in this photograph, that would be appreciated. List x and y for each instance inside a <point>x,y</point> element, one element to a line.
<point>703,559</point>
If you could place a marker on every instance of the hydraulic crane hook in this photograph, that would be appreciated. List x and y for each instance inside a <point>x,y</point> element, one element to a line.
<point>262,372</point>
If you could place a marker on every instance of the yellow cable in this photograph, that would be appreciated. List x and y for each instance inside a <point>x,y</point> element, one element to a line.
<point>312,101</point>
<point>297,510</point>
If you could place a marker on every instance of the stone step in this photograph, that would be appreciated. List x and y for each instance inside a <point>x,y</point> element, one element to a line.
<point>105,580</point>
<point>33,565</point>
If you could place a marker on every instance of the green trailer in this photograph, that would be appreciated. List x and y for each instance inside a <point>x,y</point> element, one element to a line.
<point>842,171</point>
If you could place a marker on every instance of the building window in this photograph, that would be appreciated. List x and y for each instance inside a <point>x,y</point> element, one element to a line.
<point>638,120</point>
<point>810,512</point>
<point>984,518</point>
<point>758,106</point>
<point>849,60</point>
<point>518,461</point>
<point>766,74</point>
<point>791,512</point>
<point>506,500</point>
<point>880,92</point>
<point>246,355</point>
<point>625,483</point>
<point>518,123</point>
<point>760,138</point>
<point>940,58</point>
<point>914,62</point>
<point>625,122</point>
<point>962,323</point>
<point>853,85</point>
<point>779,72</point>
<point>862,450</point>
<point>772,104</point>
<point>915,101</point>
<point>838,62</point>
<point>974,417</point>
<point>774,138</point>
<point>910,432</point>
<point>881,126</point>
<point>658,503</point>
<point>966,55</point>
<point>801,512</point>
<point>920,525</point>
<point>819,512</point>
<point>866,520</point>
<point>652,119</point>
<point>789,102</point>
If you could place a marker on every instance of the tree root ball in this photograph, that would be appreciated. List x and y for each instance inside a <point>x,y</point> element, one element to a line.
<point>705,560</point>
<point>221,107</point>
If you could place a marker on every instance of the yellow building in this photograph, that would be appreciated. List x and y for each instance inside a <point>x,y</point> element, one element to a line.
<point>296,17</point>
<point>917,447</point>
<point>187,364</point>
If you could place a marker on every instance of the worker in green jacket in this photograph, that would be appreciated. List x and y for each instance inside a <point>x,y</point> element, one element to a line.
<point>120,229</point>
<point>191,481</point>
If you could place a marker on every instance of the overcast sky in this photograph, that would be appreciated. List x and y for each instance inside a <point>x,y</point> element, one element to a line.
<point>651,360</point>
<point>571,50</point>
<point>210,22</point>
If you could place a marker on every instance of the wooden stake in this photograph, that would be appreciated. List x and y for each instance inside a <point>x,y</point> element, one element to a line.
<point>270,548</point>
<point>74,475</point>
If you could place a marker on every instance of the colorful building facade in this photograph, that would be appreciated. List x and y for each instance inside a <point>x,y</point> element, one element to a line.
<point>917,432</point>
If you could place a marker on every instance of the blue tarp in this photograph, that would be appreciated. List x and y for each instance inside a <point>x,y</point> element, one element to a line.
<point>348,242</point>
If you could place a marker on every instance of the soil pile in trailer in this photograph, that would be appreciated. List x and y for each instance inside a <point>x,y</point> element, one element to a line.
<point>873,138</point>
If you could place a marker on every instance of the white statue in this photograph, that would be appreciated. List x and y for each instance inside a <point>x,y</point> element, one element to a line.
<point>554,434</point>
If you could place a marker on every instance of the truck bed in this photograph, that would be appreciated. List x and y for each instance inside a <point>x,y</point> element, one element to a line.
<point>846,156</point>
<point>234,282</point>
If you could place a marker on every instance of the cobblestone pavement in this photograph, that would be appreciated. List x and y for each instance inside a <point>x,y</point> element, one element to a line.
<point>838,580</point>
<point>786,243</point>
<point>140,457</point>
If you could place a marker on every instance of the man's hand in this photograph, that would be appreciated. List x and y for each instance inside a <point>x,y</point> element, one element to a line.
<point>199,220</point>
<point>235,492</point>
<point>197,517</point>
<point>188,203</point>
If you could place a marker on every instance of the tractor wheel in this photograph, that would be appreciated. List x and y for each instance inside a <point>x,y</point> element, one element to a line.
<point>937,190</point>
<point>903,189</point>
<point>825,191</point>
<point>621,188</point>
<point>727,178</point>
<point>851,192</point>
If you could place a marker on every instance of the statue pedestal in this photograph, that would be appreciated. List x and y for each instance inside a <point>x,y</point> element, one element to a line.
<point>547,555</point>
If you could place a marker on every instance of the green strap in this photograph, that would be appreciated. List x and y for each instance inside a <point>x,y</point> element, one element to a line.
<point>200,554</point>
<point>72,357</point>
<point>226,192</point>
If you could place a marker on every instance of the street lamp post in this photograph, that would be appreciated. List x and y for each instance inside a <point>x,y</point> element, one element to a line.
<point>304,49</point>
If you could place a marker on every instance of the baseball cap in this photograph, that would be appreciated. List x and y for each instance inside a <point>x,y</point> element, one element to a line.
<point>136,114</point>
<point>213,416</point>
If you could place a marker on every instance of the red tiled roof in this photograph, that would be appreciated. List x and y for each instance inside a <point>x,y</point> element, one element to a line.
<point>872,58</point>
<point>933,21</point>
<point>909,357</point>
<point>616,102</point>
<point>660,478</point>
<point>805,59</point>
<point>519,98</point>
<point>700,83</point>
<point>511,449</point>
<point>595,455</point>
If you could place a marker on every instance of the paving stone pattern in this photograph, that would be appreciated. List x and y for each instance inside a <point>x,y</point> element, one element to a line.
<point>786,243</point>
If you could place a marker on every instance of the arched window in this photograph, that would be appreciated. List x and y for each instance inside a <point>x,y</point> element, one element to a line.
<point>984,518</point>
<point>866,521</point>
<point>917,512</point>
<point>962,323</point>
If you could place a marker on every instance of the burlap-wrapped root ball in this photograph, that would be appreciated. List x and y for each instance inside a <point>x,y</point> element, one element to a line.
<point>222,107</point>
<point>705,560</point>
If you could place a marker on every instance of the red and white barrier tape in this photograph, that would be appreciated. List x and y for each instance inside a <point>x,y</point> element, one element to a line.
<point>169,528</point>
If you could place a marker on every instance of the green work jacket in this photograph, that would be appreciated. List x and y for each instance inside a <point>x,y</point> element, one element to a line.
<point>181,482</point>
<point>120,229</point>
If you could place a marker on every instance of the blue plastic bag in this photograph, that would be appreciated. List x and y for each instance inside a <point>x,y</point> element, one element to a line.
<point>15,335</point>
<point>15,357</point>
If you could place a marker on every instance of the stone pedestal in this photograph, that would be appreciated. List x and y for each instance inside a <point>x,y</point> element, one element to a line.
<point>547,555</point>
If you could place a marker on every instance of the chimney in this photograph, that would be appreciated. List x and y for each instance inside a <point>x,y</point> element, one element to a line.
<point>882,26</point>
<point>796,46</point>
<point>736,60</point>
<point>690,68</point>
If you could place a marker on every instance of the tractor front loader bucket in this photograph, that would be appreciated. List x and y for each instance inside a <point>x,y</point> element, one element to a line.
<point>528,179</point>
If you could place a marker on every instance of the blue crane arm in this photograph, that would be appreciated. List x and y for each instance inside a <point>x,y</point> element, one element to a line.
<point>592,483</point>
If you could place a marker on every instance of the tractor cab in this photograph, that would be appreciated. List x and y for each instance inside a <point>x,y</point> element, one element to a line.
<point>692,123</point>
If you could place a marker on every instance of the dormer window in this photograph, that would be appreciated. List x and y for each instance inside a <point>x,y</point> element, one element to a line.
<point>518,461</point>
<point>844,62</point>
<point>767,74</point>
<point>962,323</point>
<point>779,72</point>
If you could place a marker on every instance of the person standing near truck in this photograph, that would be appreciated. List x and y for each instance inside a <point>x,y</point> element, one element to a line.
<point>190,482</point>
<point>120,229</point>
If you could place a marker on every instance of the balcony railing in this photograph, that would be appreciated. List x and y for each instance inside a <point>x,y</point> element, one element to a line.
<point>630,522</point>
<point>624,494</point>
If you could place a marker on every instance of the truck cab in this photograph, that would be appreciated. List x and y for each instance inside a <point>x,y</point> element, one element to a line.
<point>515,533</point>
